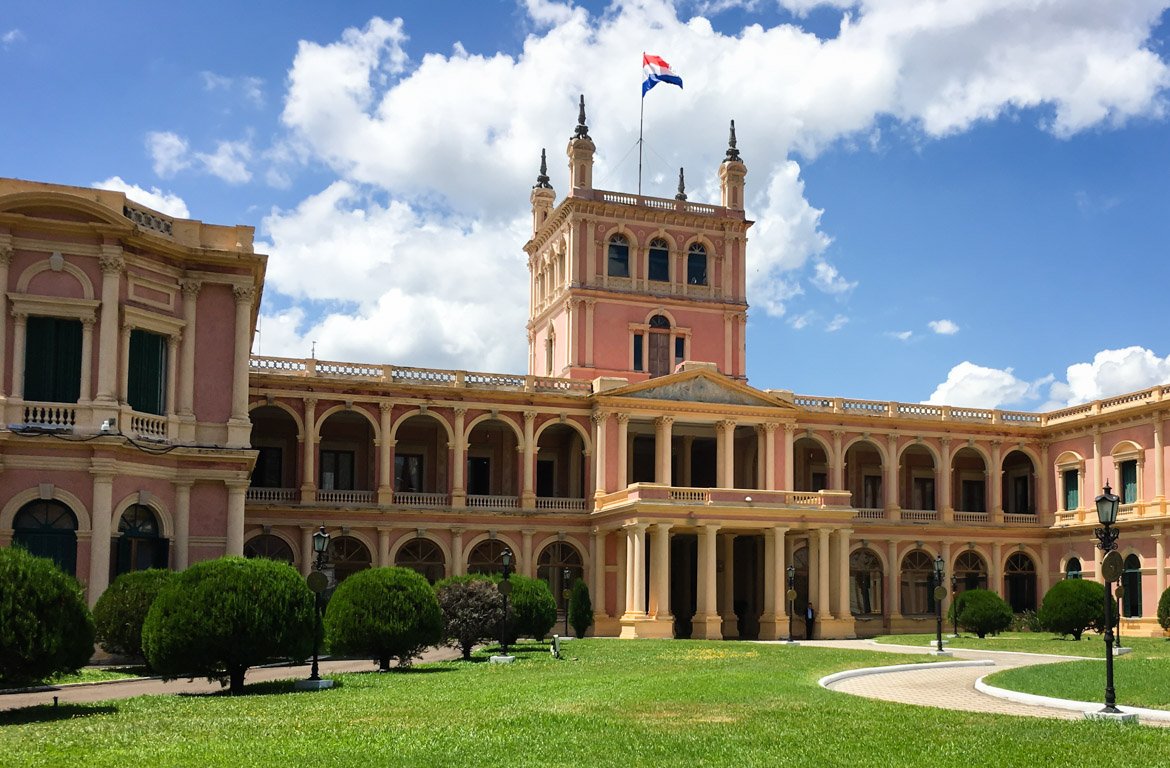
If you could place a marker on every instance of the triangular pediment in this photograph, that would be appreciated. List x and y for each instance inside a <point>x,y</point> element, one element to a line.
<point>700,386</point>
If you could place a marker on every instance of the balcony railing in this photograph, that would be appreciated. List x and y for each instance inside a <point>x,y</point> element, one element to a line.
<point>748,497</point>
<point>417,499</point>
<point>970,517</point>
<point>55,416</point>
<point>556,504</point>
<point>869,514</point>
<point>919,515</point>
<point>274,495</point>
<point>479,501</point>
<point>1013,518</point>
<point>347,497</point>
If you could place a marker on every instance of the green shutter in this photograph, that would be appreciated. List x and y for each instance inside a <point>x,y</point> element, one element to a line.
<point>52,360</point>
<point>1071,496</point>
<point>1129,490</point>
<point>146,376</point>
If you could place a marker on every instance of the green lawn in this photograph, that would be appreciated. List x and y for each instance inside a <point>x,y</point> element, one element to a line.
<point>99,675</point>
<point>1139,682</point>
<point>627,703</point>
<point>1091,645</point>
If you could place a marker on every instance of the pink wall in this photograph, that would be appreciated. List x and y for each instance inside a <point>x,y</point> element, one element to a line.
<point>214,352</point>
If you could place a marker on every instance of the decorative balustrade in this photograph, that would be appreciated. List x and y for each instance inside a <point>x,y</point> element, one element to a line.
<point>347,497</point>
<point>655,203</point>
<point>148,426</point>
<point>970,517</point>
<point>273,495</point>
<point>869,514</point>
<point>1013,518</point>
<point>653,493</point>
<point>482,501</point>
<point>415,499</point>
<point>559,504</point>
<point>919,515</point>
<point>54,416</point>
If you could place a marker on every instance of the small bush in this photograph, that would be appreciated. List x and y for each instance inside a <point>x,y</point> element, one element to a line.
<point>220,617</point>
<point>580,608</point>
<point>384,613</point>
<point>1026,621</point>
<point>1072,606</point>
<point>982,611</point>
<point>1164,609</point>
<point>121,610</point>
<point>532,608</point>
<point>45,626</point>
<point>473,610</point>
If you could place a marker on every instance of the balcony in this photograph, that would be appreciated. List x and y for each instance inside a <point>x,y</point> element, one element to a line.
<point>650,493</point>
<point>274,495</point>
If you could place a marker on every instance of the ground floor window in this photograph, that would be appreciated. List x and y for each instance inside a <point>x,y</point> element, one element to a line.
<point>1020,583</point>
<point>270,547</point>
<point>347,555</point>
<point>422,556</point>
<point>865,581</point>
<point>48,528</point>
<point>554,561</point>
<point>1131,582</point>
<point>488,557</point>
<point>140,544</point>
<point>1072,569</point>
<point>917,584</point>
<point>971,571</point>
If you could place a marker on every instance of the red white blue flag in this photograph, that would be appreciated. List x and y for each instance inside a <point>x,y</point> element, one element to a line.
<point>656,70</point>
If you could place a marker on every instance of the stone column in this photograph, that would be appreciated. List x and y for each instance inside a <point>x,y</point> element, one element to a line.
<point>946,509</point>
<point>528,494</point>
<point>760,481</point>
<point>843,586</point>
<point>660,569</point>
<point>823,574</point>
<point>243,347</point>
<point>112,265</point>
<point>725,584</point>
<point>190,289</point>
<point>770,467</point>
<point>623,444</point>
<point>599,420</point>
<point>527,566</point>
<point>635,572</point>
<point>309,462</point>
<point>182,523</point>
<point>995,478</point>
<point>5,262</point>
<point>725,453</point>
<point>892,485</point>
<point>307,553</point>
<point>620,590</point>
<point>1159,560</point>
<point>589,305</point>
<point>237,491</point>
<point>1042,474</point>
<point>789,457</point>
<point>99,543</point>
<point>19,340</point>
<point>1098,477</point>
<point>172,370</point>
<point>383,556</point>
<point>893,581</point>
<point>459,461</point>
<point>996,574</point>
<point>1045,570</point>
<point>774,617</point>
<point>87,324</point>
<point>385,455</point>
<point>597,547</point>
<point>837,462</point>
<point>706,623</point>
<point>662,450</point>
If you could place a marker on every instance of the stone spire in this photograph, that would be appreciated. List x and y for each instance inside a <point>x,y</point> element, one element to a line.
<point>682,187</point>
<point>582,131</point>
<point>732,155</point>
<point>542,177</point>
<point>580,152</point>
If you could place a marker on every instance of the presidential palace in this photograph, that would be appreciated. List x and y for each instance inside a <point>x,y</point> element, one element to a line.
<point>140,432</point>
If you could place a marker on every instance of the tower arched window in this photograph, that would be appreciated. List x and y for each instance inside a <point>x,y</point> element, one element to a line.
<point>658,268</point>
<point>618,264</point>
<point>696,264</point>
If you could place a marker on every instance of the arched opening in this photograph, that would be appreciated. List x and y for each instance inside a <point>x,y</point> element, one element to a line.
<point>917,584</point>
<point>554,560</point>
<point>487,557</point>
<point>969,489</point>
<point>1019,484</point>
<point>800,564</point>
<point>658,261</point>
<point>345,453</point>
<point>422,556</point>
<point>863,475</point>
<point>1019,583</point>
<point>1072,569</point>
<point>48,528</point>
<point>560,464</point>
<point>618,260</point>
<point>1131,588</point>
<point>274,436</point>
<point>420,461</point>
<point>916,490</point>
<point>658,346</point>
<point>866,583</point>
<point>493,464</point>
<point>139,544</point>
<point>696,264</point>
<point>347,556</point>
<point>269,547</point>
<point>970,571</point>
<point>810,465</point>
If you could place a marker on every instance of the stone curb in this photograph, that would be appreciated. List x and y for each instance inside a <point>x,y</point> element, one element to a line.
<point>837,677</point>
<point>987,650</point>
<point>1068,704</point>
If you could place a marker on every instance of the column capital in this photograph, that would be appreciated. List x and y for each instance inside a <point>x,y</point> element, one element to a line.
<point>310,402</point>
<point>385,407</point>
<point>664,421</point>
<point>244,293</point>
<point>770,426</point>
<point>945,442</point>
<point>664,527</point>
<point>598,417</point>
<point>460,411</point>
<point>838,434</point>
<point>623,418</point>
<point>726,424</point>
<point>529,417</point>
<point>112,262</point>
<point>5,255</point>
<point>190,287</point>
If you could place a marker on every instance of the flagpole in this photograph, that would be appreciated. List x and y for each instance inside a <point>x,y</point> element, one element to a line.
<point>641,113</point>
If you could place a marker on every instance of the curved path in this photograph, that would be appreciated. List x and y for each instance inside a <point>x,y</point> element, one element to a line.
<point>944,686</point>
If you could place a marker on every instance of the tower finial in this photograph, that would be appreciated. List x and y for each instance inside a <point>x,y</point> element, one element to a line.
<point>682,187</point>
<point>542,177</point>
<point>582,131</point>
<point>732,152</point>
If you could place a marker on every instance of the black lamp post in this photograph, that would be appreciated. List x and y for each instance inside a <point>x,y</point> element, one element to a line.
<point>321,547</point>
<point>939,572</point>
<point>954,610</point>
<point>505,588</point>
<point>566,574</point>
<point>791,598</point>
<point>1106,535</point>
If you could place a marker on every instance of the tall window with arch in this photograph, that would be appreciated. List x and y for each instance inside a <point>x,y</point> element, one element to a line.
<point>140,544</point>
<point>1020,583</point>
<point>1131,582</point>
<point>917,583</point>
<point>696,264</point>
<point>551,565</point>
<point>618,260</point>
<point>658,262</point>
<point>659,346</point>
<point>48,528</point>
<point>1072,569</point>
<point>865,577</point>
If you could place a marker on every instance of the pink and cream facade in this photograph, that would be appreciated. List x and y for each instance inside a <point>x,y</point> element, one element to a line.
<point>632,454</point>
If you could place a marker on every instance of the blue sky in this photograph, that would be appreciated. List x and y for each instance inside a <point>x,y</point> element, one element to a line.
<point>958,200</point>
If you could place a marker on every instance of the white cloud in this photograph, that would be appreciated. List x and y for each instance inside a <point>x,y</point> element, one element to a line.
<point>250,88</point>
<point>836,324</point>
<point>801,321</point>
<point>900,335</point>
<point>11,36</point>
<point>229,161</point>
<point>163,202</point>
<point>1112,372</point>
<point>454,138</point>
<point>943,327</point>
<point>975,386</point>
<point>168,152</point>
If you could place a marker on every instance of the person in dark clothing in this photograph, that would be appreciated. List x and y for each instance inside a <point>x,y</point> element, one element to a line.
<point>809,620</point>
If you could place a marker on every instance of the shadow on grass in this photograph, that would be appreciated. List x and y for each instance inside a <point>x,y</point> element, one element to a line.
<point>47,713</point>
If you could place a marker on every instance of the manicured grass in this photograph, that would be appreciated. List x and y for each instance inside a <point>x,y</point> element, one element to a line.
<point>1091,645</point>
<point>1139,682</point>
<point>99,675</point>
<point>610,702</point>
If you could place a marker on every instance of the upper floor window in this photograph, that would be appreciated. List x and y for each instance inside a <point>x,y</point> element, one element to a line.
<point>658,354</point>
<point>146,378</point>
<point>619,257</point>
<point>336,470</point>
<point>659,266</point>
<point>1072,496</point>
<point>1129,481</point>
<point>52,360</point>
<point>697,265</point>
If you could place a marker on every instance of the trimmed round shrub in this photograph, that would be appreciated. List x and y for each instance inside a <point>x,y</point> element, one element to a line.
<point>220,617</point>
<point>580,608</point>
<point>473,610</point>
<point>121,610</point>
<point>45,626</point>
<point>983,612</point>
<point>1072,606</point>
<point>532,607</point>
<point>384,613</point>
<point>1164,609</point>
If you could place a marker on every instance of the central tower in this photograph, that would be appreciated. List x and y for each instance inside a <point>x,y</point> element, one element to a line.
<point>631,286</point>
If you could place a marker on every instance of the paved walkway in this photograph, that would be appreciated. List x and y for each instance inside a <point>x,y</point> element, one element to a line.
<point>947,687</point>
<point>125,689</point>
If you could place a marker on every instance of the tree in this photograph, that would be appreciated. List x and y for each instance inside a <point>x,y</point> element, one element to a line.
<point>384,613</point>
<point>220,617</point>
<point>1072,606</point>
<point>45,626</point>
<point>532,607</point>
<point>982,611</point>
<point>1164,609</point>
<point>472,609</point>
<point>121,610</point>
<point>580,608</point>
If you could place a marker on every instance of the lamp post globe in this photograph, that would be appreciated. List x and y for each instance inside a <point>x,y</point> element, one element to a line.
<point>1107,504</point>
